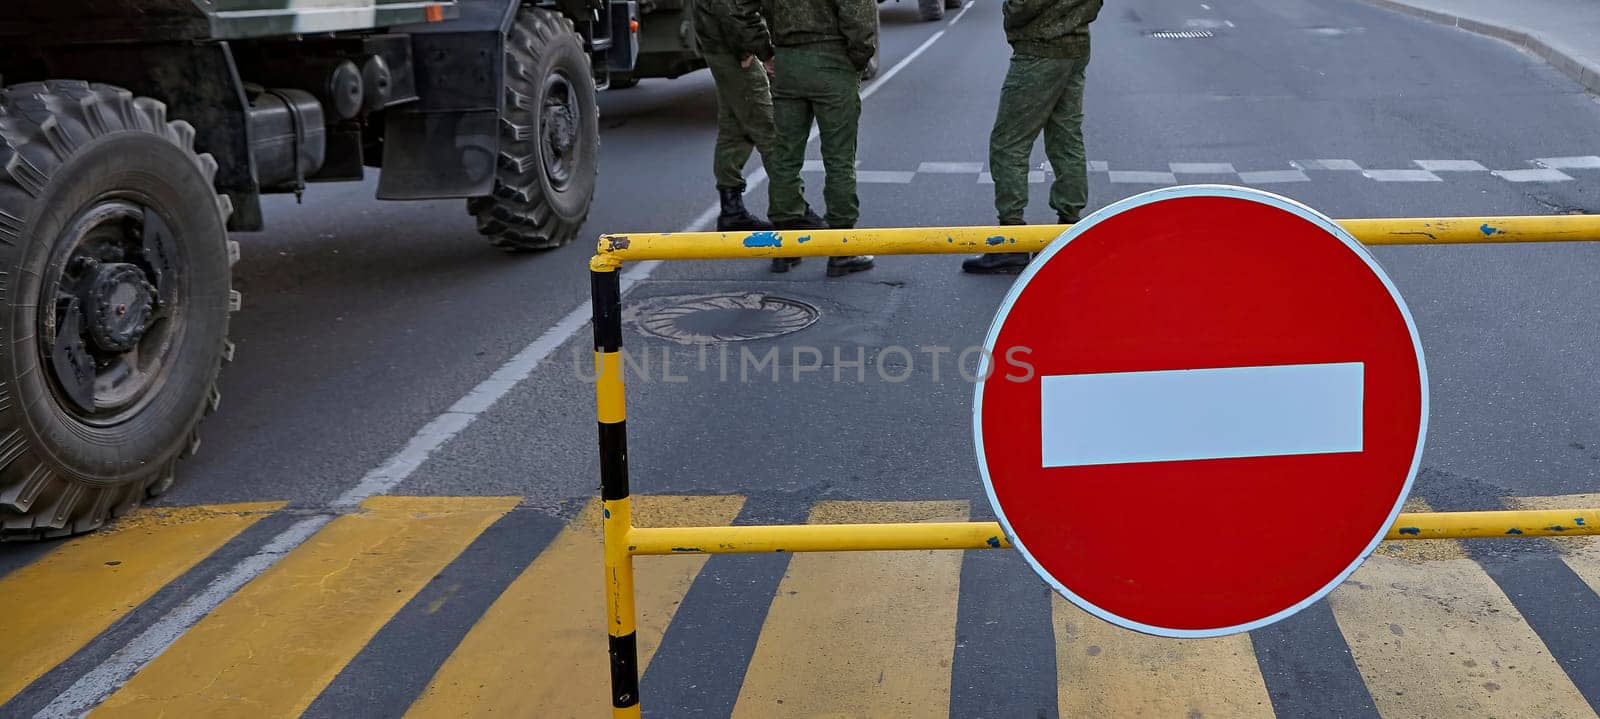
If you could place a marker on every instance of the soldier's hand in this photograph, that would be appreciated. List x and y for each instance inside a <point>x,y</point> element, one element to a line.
<point>771,68</point>
<point>745,62</point>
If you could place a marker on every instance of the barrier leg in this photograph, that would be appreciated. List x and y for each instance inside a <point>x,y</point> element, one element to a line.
<point>611,411</point>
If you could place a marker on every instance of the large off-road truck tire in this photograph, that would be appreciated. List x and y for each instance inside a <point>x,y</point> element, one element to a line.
<point>549,138</point>
<point>931,9</point>
<point>114,302</point>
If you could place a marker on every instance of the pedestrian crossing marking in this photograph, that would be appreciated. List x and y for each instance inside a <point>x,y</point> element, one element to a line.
<point>1433,635</point>
<point>1105,670</point>
<point>847,634</point>
<point>540,648</point>
<point>270,649</point>
<point>869,634</point>
<point>1582,554</point>
<point>55,606</point>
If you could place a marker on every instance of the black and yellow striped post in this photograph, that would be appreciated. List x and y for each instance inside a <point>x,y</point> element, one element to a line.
<point>610,409</point>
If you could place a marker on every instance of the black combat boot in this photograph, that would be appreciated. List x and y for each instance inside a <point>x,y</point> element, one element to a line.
<point>808,221</point>
<point>997,263</point>
<point>735,217</point>
<point>844,265</point>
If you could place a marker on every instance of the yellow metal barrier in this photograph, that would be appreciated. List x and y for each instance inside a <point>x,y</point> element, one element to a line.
<point>623,541</point>
<point>634,247</point>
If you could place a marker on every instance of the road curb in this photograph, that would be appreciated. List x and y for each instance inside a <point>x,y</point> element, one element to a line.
<point>1586,74</point>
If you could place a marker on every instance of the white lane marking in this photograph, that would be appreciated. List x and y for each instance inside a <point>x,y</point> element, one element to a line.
<point>1143,178</point>
<point>885,177</point>
<point>1401,176</point>
<point>93,687</point>
<point>1204,6</point>
<point>1268,177</point>
<point>1345,165</point>
<point>1451,165</point>
<point>872,88</point>
<point>1546,175</point>
<point>963,13</point>
<point>950,168</point>
<point>1584,162</point>
<point>1232,412</point>
<point>1201,168</point>
<point>1099,166</point>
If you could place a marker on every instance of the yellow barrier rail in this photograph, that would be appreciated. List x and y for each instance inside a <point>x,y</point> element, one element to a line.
<point>757,539</point>
<point>635,247</point>
<point>623,541</point>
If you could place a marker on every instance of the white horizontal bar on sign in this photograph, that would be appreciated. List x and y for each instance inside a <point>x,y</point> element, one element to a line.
<point>1172,415</point>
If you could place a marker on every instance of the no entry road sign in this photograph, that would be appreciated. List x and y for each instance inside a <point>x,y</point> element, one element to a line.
<point>1207,404</point>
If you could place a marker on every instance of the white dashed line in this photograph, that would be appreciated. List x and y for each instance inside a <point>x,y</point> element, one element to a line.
<point>1142,178</point>
<point>1270,177</point>
<point>1583,162</point>
<point>1402,176</point>
<point>1451,165</point>
<point>1201,168</point>
<point>950,168</point>
<point>1543,175</point>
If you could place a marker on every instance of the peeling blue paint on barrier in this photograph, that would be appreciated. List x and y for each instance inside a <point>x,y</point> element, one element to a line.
<point>763,239</point>
<point>1489,230</point>
<point>686,549</point>
<point>803,239</point>
<point>1556,528</point>
<point>1513,530</point>
<point>606,512</point>
<point>1413,531</point>
<point>994,542</point>
<point>1578,521</point>
<point>996,240</point>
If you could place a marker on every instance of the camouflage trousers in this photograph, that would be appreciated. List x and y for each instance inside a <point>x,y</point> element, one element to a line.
<point>744,118</point>
<point>1040,93</point>
<point>815,82</point>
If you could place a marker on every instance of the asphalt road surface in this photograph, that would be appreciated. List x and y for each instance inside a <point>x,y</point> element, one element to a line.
<point>384,349</point>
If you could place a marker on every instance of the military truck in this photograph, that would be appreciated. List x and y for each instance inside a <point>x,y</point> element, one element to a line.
<point>931,10</point>
<point>135,135</point>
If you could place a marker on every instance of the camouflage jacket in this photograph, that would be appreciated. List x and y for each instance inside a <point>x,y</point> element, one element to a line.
<point>852,23</point>
<point>1050,28</point>
<point>732,27</point>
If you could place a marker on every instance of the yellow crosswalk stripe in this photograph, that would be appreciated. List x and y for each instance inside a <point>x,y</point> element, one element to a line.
<point>53,607</point>
<point>1433,635</point>
<point>867,634</point>
<point>270,649</point>
<point>540,649</point>
<point>1105,670</point>
<point>1580,553</point>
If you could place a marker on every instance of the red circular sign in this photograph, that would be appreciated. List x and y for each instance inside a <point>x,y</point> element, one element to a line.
<point>1205,407</point>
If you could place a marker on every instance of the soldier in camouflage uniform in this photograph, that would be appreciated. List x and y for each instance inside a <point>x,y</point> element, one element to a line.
<point>822,47</point>
<point>1043,90</point>
<point>734,41</point>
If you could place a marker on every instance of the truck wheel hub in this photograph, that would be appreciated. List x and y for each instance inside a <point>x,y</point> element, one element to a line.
<point>118,301</point>
<point>560,121</point>
<point>109,310</point>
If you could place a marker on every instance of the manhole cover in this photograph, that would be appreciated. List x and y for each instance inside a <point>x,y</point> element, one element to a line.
<point>1180,34</point>
<point>724,317</point>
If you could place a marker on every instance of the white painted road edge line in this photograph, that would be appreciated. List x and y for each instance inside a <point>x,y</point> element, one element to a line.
<point>93,687</point>
<point>1224,413</point>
